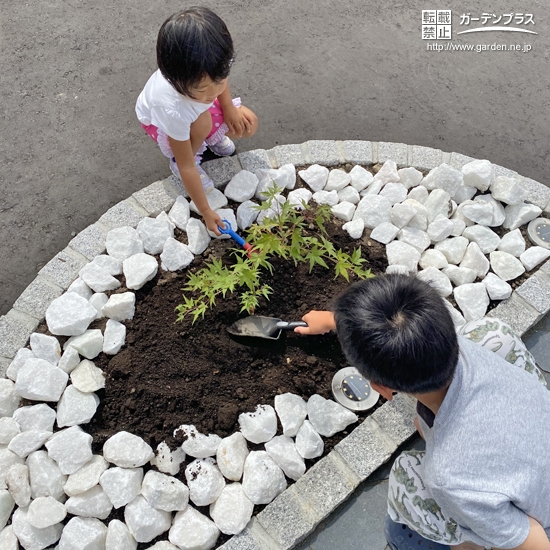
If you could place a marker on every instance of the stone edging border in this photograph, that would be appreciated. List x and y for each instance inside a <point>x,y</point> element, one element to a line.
<point>296,512</point>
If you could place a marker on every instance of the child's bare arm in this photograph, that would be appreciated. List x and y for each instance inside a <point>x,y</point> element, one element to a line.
<point>192,182</point>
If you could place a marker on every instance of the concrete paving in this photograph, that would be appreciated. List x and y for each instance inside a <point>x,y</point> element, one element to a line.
<point>71,146</point>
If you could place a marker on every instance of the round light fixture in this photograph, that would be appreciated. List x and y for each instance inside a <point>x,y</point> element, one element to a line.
<point>539,232</point>
<point>353,391</point>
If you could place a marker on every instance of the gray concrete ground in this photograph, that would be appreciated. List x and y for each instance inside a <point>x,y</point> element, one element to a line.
<point>71,71</point>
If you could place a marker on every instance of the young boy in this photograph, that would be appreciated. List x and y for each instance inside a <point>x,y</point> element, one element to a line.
<point>484,479</point>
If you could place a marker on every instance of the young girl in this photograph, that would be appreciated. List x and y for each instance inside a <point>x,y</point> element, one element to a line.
<point>186,105</point>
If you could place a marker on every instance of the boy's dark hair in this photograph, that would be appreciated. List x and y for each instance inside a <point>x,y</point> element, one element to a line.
<point>192,44</point>
<point>397,331</point>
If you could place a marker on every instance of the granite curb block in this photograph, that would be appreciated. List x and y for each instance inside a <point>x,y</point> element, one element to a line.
<point>297,511</point>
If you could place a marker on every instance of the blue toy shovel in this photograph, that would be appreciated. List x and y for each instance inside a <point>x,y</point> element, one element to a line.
<point>236,237</point>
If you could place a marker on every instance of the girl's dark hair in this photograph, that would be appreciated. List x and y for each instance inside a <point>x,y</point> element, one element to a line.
<point>397,331</point>
<point>192,44</point>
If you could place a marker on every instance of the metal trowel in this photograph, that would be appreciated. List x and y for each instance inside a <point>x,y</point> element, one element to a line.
<point>258,326</point>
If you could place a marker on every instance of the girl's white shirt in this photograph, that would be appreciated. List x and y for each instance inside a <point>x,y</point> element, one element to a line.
<point>159,104</point>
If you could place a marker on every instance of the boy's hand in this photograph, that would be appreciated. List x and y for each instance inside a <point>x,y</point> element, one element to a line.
<point>319,322</point>
<point>212,220</point>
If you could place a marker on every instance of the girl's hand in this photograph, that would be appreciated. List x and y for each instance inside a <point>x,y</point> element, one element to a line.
<point>319,322</point>
<point>237,121</point>
<point>212,220</point>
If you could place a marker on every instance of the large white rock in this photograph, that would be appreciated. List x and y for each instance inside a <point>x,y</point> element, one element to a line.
<point>275,208</point>
<point>242,186</point>
<point>216,199</point>
<point>349,194</point>
<point>292,411</point>
<point>457,317</point>
<point>127,450</point>
<point>154,232</point>
<point>513,243</point>
<point>35,417</point>
<point>192,530</point>
<point>30,537</point>
<point>360,178</point>
<point>196,444</point>
<point>259,426</point>
<point>163,545</point>
<point>478,174</point>
<point>164,492</point>
<point>420,218</point>
<point>18,484</point>
<point>9,396</point>
<point>415,237</point>
<point>315,176</point>
<point>453,249</point>
<point>534,256</point>
<point>205,481</point>
<point>399,269</point>
<point>9,428</point>
<point>263,480</point>
<point>87,377</point>
<point>120,307</point>
<point>123,242</point>
<point>394,192</point>
<point>6,507</point>
<point>410,177</point>
<point>69,360</point>
<point>231,455</point>
<point>45,347</point>
<point>464,193</point>
<point>440,229</point>
<point>508,190</point>
<point>388,173</point>
<point>497,289</point>
<point>8,541</point>
<point>197,236</point>
<point>384,233</point>
<point>79,287</point>
<point>166,460</point>
<point>433,258</point>
<point>479,212</point>
<point>97,278</point>
<point>163,216</point>
<point>46,478</point>
<point>337,180</point>
<point>232,511</point>
<point>438,204</point>
<point>98,300</point>
<point>402,214</point>
<point>70,448</point>
<point>283,178</point>
<point>472,299</point>
<point>326,197</point>
<point>114,337</point>
<point>83,534</point>
<point>247,214</point>
<point>519,214</point>
<point>40,381</point>
<point>139,269</point>
<point>443,177</point>
<point>93,503</point>
<point>121,485</point>
<point>119,536</point>
<point>498,209</point>
<point>18,361</point>
<point>46,511</point>
<point>179,213</point>
<point>87,477</point>
<point>175,255</point>
<point>475,259</point>
<point>88,344</point>
<point>343,211</point>
<point>486,239</point>
<point>506,266</point>
<point>297,197</point>
<point>69,315</point>
<point>460,275</point>
<point>419,194</point>
<point>283,451</point>
<point>373,210</point>
<point>354,228</point>
<point>438,280</point>
<point>327,416</point>
<point>27,442</point>
<point>373,189</point>
<point>400,253</point>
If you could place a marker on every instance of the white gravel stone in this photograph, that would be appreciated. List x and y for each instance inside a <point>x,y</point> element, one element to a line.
<point>499,214</point>
<point>247,214</point>
<point>45,347</point>
<point>259,426</point>
<point>175,255</point>
<point>46,511</point>
<point>205,481</point>
<point>97,278</point>
<point>9,428</point>
<point>123,242</point>
<point>343,211</point>
<point>349,194</point>
<point>410,177</point>
<point>197,235</point>
<point>70,448</point>
<point>18,361</point>
<point>46,478</point>
<point>87,477</point>
<point>360,178</point>
<point>399,269</point>
<point>120,307</point>
<point>154,232</point>
<point>315,176</point>
<point>127,450</point>
<point>196,444</point>
<point>8,541</point>
<point>513,243</point>
<point>453,249</point>
<point>69,360</point>
<point>388,173</point>
<point>401,253</point>
<point>163,216</point>
<point>497,289</point>
<point>459,213</point>
<point>27,442</point>
<point>69,315</point>
<point>472,299</point>
<point>419,194</point>
<point>76,407</point>
<point>415,237</point>
<point>440,229</point>
<point>420,218</point>
<point>326,197</point>
<point>164,492</point>
<point>354,228</point>
<point>534,256</point>
<point>327,416</point>
<point>478,212</point>
<point>216,199</point>
<point>30,537</point>
<point>508,190</point>
<point>373,210</point>
<point>457,317</point>
<point>83,534</point>
<point>242,186</point>
<point>119,537</point>
<point>267,182</point>
<point>438,204</point>
<point>232,453</point>
<point>506,266</point>
<point>373,189</point>
<point>274,209</point>
<point>6,507</point>
<point>478,174</point>
<point>475,259</point>
<point>444,177</point>
<point>394,192</point>
<point>292,411</point>
<point>296,197</point>
<point>438,280</point>
<point>233,510</point>
<point>460,275</point>
<point>433,258</point>
<point>263,480</point>
<point>286,176</point>
<point>283,451</point>
<point>98,300</point>
<point>18,484</point>
<point>337,180</point>
<point>93,503</point>
<point>78,286</point>
<point>87,377</point>
<point>163,545</point>
<point>486,239</point>
<point>401,214</point>
<point>89,344</point>
<point>458,227</point>
<point>166,460</point>
<point>309,443</point>
<point>180,212</point>
<point>121,485</point>
<point>140,268</point>
<point>464,193</point>
<point>519,214</point>
<point>384,233</point>
<point>114,337</point>
<point>9,396</point>
<point>192,530</point>
<point>38,380</point>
